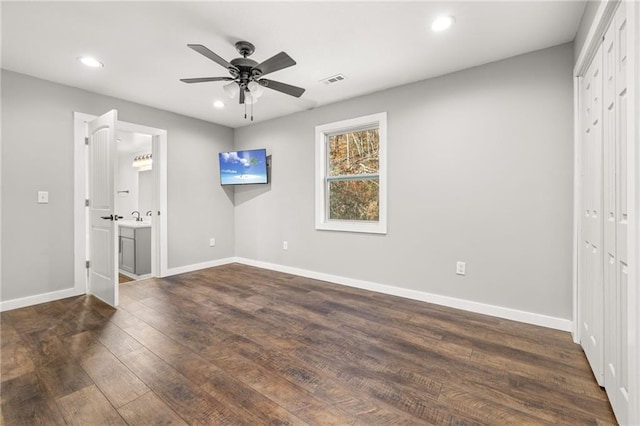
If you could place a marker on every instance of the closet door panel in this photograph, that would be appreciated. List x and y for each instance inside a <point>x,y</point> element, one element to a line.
<point>592,304</point>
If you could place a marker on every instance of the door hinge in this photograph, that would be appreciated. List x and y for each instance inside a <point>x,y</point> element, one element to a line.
<point>87,264</point>
<point>86,202</point>
<point>158,212</point>
<point>86,140</point>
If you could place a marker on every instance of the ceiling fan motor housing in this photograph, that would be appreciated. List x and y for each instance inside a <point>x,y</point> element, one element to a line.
<point>244,73</point>
<point>245,48</point>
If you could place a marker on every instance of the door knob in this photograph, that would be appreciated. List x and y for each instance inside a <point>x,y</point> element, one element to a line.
<point>116,217</point>
<point>110,217</point>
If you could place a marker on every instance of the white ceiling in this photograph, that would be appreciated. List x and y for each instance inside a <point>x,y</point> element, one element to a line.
<point>376,45</point>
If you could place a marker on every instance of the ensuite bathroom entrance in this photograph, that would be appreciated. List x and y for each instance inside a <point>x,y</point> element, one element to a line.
<point>134,203</point>
<point>120,204</point>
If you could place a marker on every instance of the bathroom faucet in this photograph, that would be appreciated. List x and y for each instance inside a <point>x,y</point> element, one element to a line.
<point>138,219</point>
<point>149,213</point>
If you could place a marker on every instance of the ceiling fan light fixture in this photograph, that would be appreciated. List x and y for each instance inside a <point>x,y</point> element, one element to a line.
<point>255,89</point>
<point>441,23</point>
<point>91,62</point>
<point>250,98</point>
<point>246,74</point>
<point>231,89</point>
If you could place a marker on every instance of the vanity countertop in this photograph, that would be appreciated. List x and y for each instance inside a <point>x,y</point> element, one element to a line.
<point>134,224</point>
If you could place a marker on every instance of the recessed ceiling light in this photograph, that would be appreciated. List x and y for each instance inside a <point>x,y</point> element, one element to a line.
<point>441,23</point>
<point>218,104</point>
<point>90,62</point>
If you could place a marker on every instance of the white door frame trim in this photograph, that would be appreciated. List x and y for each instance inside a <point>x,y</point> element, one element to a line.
<point>80,194</point>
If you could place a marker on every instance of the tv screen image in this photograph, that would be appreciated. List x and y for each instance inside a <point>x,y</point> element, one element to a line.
<point>243,167</point>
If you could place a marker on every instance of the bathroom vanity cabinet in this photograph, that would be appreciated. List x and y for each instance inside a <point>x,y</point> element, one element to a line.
<point>135,249</point>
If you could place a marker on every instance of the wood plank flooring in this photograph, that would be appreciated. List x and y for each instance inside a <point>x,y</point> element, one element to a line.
<point>122,278</point>
<point>240,345</point>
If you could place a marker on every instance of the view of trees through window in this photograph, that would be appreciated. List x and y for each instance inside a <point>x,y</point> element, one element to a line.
<point>353,176</point>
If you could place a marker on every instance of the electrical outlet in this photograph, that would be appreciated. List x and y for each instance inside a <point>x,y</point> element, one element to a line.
<point>43,197</point>
<point>285,245</point>
<point>212,242</point>
<point>461,268</point>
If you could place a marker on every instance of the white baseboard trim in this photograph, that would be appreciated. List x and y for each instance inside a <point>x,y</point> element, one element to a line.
<point>8,305</point>
<point>197,266</point>
<point>70,292</point>
<point>452,302</point>
<point>134,276</point>
<point>128,274</point>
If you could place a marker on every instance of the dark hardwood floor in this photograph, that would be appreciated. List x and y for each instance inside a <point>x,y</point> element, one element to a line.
<point>242,345</point>
<point>124,279</point>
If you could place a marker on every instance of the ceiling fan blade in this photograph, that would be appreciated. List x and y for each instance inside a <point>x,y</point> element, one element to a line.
<point>205,79</point>
<point>275,63</point>
<point>282,87</point>
<point>241,97</point>
<point>209,54</point>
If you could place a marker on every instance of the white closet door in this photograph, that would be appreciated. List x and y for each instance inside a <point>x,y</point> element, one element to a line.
<point>591,244</point>
<point>611,217</point>
<point>616,223</point>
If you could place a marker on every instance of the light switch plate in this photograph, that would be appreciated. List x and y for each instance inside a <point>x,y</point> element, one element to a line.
<point>43,197</point>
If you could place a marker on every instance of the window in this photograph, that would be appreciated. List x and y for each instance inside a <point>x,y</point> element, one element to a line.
<point>351,190</point>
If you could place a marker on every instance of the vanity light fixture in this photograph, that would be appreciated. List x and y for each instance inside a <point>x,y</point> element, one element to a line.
<point>218,104</point>
<point>142,162</point>
<point>441,23</point>
<point>91,62</point>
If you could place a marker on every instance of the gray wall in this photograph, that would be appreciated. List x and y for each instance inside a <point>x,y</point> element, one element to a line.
<point>480,170</point>
<point>145,193</point>
<point>37,154</point>
<point>585,24</point>
<point>127,179</point>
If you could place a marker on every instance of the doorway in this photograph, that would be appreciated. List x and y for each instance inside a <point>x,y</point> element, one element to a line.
<point>134,203</point>
<point>133,137</point>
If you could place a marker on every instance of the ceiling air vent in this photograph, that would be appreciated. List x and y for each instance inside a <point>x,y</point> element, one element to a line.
<point>333,79</point>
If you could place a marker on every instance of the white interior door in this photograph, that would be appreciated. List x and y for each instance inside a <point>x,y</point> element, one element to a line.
<point>591,258</point>
<point>103,267</point>
<point>616,223</point>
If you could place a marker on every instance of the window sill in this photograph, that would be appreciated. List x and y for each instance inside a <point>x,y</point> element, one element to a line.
<point>352,226</point>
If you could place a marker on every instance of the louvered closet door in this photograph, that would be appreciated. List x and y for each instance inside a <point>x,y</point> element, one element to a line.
<point>616,214</point>
<point>591,241</point>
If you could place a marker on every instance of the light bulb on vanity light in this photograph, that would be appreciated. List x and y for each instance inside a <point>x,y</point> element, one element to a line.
<point>142,162</point>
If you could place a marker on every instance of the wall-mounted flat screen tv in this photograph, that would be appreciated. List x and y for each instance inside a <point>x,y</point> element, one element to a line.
<point>243,167</point>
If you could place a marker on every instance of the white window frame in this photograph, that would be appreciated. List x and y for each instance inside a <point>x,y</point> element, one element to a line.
<point>323,132</point>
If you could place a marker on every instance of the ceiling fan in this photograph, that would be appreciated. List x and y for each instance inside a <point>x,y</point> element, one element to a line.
<point>247,74</point>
